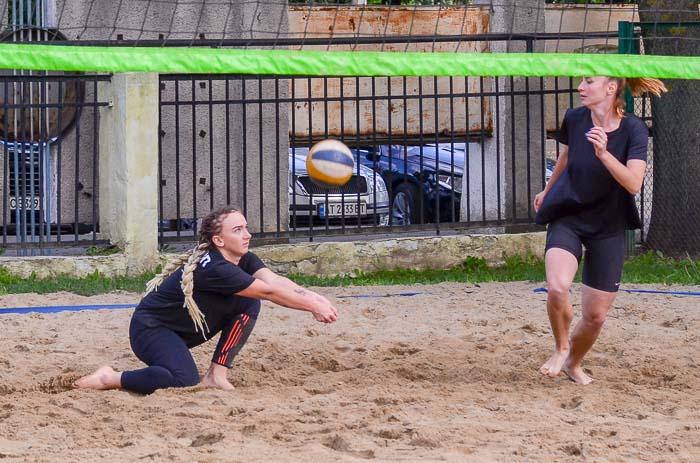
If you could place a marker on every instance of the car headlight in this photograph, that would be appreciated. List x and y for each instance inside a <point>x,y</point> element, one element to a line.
<point>372,178</point>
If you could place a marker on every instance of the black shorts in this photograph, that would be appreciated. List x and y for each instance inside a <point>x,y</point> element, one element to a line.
<point>604,258</point>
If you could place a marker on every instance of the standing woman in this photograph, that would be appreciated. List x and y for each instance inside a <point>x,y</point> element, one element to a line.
<point>589,203</point>
<point>216,287</point>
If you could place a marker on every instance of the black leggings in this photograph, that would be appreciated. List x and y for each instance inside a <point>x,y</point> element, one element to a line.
<point>604,258</point>
<point>170,363</point>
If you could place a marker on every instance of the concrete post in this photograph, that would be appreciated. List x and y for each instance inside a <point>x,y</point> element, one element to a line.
<point>519,140</point>
<point>129,168</point>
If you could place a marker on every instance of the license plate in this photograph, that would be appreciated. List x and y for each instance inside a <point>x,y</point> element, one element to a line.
<point>29,203</point>
<point>348,209</point>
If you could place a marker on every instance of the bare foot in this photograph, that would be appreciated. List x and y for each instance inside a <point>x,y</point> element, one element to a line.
<point>102,379</point>
<point>212,382</point>
<point>576,374</point>
<point>553,366</point>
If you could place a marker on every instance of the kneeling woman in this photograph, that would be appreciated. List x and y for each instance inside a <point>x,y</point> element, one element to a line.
<point>216,287</point>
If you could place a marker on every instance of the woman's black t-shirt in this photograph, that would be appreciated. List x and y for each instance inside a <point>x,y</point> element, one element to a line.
<point>586,196</point>
<point>216,282</point>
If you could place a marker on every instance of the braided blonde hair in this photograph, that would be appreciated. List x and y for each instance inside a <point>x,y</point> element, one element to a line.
<point>211,225</point>
<point>637,86</point>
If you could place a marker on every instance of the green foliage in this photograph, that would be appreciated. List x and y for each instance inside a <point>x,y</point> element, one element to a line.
<point>95,283</point>
<point>102,251</point>
<point>646,268</point>
<point>472,270</point>
<point>654,267</point>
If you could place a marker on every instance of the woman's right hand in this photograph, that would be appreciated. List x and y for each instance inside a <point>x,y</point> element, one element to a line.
<point>325,312</point>
<point>539,197</point>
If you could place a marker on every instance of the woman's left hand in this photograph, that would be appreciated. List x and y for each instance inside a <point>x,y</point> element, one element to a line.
<point>599,140</point>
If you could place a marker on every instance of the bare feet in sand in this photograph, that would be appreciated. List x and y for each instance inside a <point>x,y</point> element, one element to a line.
<point>209,382</point>
<point>102,379</point>
<point>553,366</point>
<point>576,374</point>
<point>216,378</point>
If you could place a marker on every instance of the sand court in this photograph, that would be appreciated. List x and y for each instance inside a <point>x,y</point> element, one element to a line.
<point>445,372</point>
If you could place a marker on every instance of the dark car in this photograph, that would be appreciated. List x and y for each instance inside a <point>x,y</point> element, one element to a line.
<point>425,182</point>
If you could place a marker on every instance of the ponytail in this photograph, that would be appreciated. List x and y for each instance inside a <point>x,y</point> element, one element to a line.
<point>637,86</point>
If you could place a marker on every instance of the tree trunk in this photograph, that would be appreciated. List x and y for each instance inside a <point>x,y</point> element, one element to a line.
<point>674,228</point>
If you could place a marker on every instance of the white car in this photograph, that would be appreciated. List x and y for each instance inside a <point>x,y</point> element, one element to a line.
<point>364,197</point>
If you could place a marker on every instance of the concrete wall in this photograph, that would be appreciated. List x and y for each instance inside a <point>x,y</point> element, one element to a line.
<point>325,259</point>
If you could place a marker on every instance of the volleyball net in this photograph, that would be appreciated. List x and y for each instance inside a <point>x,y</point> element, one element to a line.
<point>360,38</point>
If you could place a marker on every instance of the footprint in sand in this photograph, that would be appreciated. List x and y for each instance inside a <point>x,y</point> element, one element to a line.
<point>573,403</point>
<point>339,444</point>
<point>207,439</point>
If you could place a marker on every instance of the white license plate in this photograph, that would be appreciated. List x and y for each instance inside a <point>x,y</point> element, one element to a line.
<point>29,203</point>
<point>348,209</point>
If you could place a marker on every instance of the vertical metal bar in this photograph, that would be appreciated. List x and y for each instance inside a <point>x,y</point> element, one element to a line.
<point>278,167</point>
<point>261,154</point>
<point>95,161</point>
<point>326,219</point>
<point>466,193</point>
<point>59,159</point>
<point>76,188</point>
<point>421,202</point>
<point>244,146</point>
<point>498,148</point>
<point>161,179</point>
<point>528,157</point>
<point>375,215</point>
<point>436,130</point>
<point>177,157</point>
<point>193,105</point>
<point>43,108</point>
<point>483,154</point>
<point>292,159</point>
<point>211,146</point>
<point>512,146</point>
<point>6,161</point>
<point>389,154</point>
<point>228,140</point>
<point>452,149</point>
<point>21,191</point>
<point>543,128</point>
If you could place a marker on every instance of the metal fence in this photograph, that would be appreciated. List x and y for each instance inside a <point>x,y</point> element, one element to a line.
<point>48,142</point>
<point>244,140</point>
<point>434,155</point>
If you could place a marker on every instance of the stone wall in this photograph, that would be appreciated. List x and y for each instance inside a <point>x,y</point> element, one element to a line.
<point>323,259</point>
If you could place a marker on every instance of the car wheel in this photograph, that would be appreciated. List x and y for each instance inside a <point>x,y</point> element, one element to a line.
<point>403,206</point>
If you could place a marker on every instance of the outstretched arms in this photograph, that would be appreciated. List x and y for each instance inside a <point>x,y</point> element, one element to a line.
<point>280,290</point>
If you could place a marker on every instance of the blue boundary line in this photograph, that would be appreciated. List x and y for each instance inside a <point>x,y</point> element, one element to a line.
<point>62,308</point>
<point>646,291</point>
<point>380,295</point>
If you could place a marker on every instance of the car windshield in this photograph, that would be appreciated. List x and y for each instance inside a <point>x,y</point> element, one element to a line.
<point>444,154</point>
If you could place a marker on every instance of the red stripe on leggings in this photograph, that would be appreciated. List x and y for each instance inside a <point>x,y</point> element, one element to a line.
<point>237,337</point>
<point>236,325</point>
